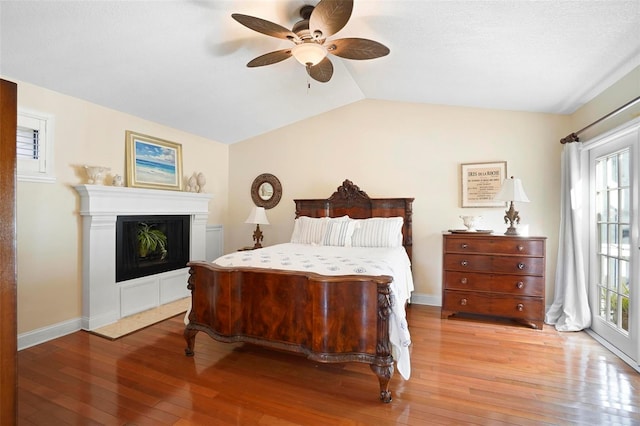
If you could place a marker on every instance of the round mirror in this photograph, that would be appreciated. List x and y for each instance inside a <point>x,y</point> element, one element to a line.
<point>266,191</point>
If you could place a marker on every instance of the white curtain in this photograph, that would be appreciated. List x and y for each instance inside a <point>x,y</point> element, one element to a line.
<point>570,309</point>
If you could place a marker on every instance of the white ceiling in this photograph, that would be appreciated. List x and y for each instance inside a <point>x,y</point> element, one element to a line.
<point>182,63</point>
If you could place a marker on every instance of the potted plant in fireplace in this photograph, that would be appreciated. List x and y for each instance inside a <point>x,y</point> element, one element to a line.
<point>151,241</point>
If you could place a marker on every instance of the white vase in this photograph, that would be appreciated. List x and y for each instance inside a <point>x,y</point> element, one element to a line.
<point>471,222</point>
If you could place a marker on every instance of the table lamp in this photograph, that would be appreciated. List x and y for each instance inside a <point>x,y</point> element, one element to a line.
<point>257,216</point>
<point>511,191</point>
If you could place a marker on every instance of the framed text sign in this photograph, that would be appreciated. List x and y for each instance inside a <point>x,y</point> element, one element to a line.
<point>481,182</point>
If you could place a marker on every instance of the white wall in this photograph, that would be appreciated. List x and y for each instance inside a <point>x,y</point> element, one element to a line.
<point>48,225</point>
<point>393,149</point>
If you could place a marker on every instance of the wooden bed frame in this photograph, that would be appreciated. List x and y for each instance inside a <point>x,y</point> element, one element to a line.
<point>334,319</point>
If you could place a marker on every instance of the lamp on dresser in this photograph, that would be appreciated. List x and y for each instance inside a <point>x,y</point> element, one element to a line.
<point>258,217</point>
<point>511,191</point>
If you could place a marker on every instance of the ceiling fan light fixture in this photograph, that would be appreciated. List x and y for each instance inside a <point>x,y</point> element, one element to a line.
<point>309,53</point>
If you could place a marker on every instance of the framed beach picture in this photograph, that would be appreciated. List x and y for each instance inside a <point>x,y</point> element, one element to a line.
<point>481,183</point>
<point>152,162</point>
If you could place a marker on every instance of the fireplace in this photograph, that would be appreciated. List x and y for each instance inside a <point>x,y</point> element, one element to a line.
<point>108,295</point>
<point>150,244</point>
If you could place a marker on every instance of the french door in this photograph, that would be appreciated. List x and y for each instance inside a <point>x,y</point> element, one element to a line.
<point>613,222</point>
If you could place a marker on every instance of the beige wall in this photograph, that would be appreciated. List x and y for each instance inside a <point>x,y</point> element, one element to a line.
<point>394,149</point>
<point>620,93</point>
<point>49,226</point>
<point>387,148</point>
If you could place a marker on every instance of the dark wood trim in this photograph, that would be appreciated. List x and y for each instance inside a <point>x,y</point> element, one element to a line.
<point>8,282</point>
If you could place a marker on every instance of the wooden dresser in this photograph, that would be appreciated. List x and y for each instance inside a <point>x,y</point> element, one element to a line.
<point>496,275</point>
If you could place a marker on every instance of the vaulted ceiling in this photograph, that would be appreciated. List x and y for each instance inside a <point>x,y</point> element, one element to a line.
<point>183,63</point>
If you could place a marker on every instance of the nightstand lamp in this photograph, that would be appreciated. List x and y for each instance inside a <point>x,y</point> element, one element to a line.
<point>258,217</point>
<point>511,191</point>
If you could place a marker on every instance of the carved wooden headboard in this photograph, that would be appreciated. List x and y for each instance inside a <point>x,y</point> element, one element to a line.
<point>351,200</point>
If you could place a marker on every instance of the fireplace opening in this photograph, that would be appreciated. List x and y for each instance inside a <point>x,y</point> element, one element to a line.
<point>147,245</point>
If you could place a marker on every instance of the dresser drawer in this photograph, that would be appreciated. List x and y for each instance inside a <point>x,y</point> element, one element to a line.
<point>517,307</point>
<point>463,262</point>
<point>524,247</point>
<point>518,285</point>
<point>466,301</point>
<point>501,245</point>
<point>467,281</point>
<point>464,244</point>
<point>518,265</point>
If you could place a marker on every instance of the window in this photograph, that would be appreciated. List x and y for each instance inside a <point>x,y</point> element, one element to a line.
<point>34,146</point>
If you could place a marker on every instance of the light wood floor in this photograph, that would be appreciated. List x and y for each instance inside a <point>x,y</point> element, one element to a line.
<point>464,372</point>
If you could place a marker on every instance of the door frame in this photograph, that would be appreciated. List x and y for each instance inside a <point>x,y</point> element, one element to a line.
<point>632,127</point>
<point>8,280</point>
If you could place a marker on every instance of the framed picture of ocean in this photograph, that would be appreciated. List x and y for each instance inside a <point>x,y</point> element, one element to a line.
<point>153,162</point>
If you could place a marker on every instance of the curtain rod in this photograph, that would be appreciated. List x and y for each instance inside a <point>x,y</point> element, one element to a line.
<point>573,137</point>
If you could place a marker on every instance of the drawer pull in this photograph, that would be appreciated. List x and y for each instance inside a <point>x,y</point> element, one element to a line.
<point>463,302</point>
<point>464,245</point>
<point>520,307</point>
<point>463,280</point>
<point>520,284</point>
<point>521,265</point>
<point>464,263</point>
<point>520,248</point>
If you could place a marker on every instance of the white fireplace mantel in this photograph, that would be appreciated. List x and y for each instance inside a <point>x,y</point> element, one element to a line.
<point>103,300</point>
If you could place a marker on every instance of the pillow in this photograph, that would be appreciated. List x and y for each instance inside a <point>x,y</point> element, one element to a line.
<point>378,232</point>
<point>309,230</point>
<point>339,232</point>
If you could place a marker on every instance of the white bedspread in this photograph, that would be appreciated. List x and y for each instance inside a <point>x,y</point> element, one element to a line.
<point>331,260</point>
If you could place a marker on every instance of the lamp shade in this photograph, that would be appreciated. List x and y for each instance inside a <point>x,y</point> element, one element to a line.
<point>257,216</point>
<point>309,53</point>
<point>512,190</point>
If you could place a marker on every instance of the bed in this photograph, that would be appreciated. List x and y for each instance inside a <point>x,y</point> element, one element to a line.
<point>352,311</point>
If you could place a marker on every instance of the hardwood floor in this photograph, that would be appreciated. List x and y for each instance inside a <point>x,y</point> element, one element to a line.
<point>463,372</point>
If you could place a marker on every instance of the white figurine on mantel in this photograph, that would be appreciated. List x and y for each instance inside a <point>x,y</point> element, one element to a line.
<point>117,180</point>
<point>201,181</point>
<point>192,184</point>
<point>95,174</point>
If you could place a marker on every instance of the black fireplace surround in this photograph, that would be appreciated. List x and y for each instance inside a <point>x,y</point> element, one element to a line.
<point>130,263</point>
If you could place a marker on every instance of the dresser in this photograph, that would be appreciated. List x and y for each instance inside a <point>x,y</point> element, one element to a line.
<point>494,275</point>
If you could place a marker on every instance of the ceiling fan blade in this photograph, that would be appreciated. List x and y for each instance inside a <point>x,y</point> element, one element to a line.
<point>265,27</point>
<point>357,48</point>
<point>270,58</point>
<point>329,17</point>
<point>322,71</point>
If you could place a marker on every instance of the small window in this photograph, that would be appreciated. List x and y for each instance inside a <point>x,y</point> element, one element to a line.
<point>34,147</point>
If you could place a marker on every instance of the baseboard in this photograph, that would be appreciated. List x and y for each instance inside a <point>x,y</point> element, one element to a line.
<point>426,299</point>
<point>617,352</point>
<point>44,334</point>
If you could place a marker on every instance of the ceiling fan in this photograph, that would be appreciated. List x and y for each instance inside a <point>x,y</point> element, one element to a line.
<point>310,38</point>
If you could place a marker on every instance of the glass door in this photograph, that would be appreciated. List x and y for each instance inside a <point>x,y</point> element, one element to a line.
<point>613,254</point>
